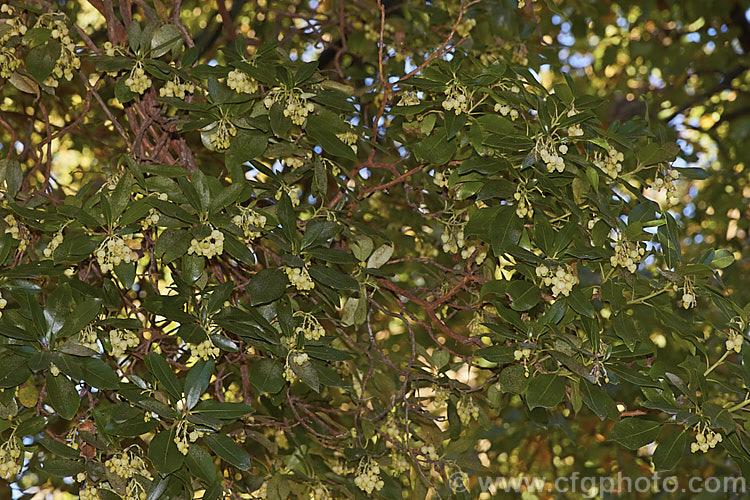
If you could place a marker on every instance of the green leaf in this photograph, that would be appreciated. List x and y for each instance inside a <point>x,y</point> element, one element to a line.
<point>670,240</point>
<point>192,267</point>
<point>654,153</point>
<point>380,256</point>
<point>166,38</point>
<point>246,145</point>
<point>334,279</point>
<point>305,72</point>
<point>598,400</point>
<point>545,391</point>
<point>513,379</point>
<point>580,304</point>
<point>134,35</point>
<point>41,60</point>
<point>436,148</point>
<point>267,376</point>
<point>62,467</point>
<point>63,395</point>
<point>499,354</point>
<point>670,450</point>
<point>197,381</point>
<point>319,130</point>
<point>228,450</point>
<point>627,330</point>
<point>120,198</point>
<point>722,258</point>
<point>125,272</point>
<point>99,374</point>
<point>224,411</point>
<point>266,286</point>
<point>719,416</point>
<point>307,373</point>
<point>505,230</point>
<point>200,462</point>
<point>633,433</point>
<point>524,294</point>
<point>544,235</point>
<point>163,452</point>
<point>159,367</point>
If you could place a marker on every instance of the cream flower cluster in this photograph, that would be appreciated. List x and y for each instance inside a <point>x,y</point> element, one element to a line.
<point>14,228</point>
<point>296,107</point>
<point>440,399</point>
<point>349,138</point>
<point>704,440</point>
<point>627,254</point>
<point>666,179</point>
<point>524,206</point>
<point>428,451</point>
<point>183,437</point>
<point>523,354</point>
<point>465,27</point>
<point>206,350</point>
<point>310,327</point>
<point>391,429</point>
<point>561,279</point>
<point>299,358</point>
<point>575,130</point>
<point>399,463</point>
<point>110,49</point>
<point>241,82</point>
<point>469,249</point>
<point>3,303</point>
<point>453,238</point>
<point>441,178</point>
<point>90,493</point>
<point>121,341</point>
<point>293,192</point>
<point>294,161</point>
<point>610,163</point>
<point>262,492</point>
<point>220,136</point>
<point>15,28</point>
<point>53,244</point>
<point>138,81</point>
<point>456,98</point>
<point>88,338</point>
<point>68,60</point>
<point>319,492</point>
<point>734,343</point>
<point>209,246</point>
<point>367,477</point>
<point>127,464</point>
<point>151,219</point>
<point>551,159</point>
<point>688,294</point>
<point>113,251</point>
<point>233,393</point>
<point>299,278</point>
<point>8,61</point>
<point>10,463</point>
<point>250,222</point>
<point>505,110</point>
<point>176,88</point>
<point>408,99</point>
<point>467,410</point>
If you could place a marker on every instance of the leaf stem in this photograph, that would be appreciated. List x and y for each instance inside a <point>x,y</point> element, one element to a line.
<point>740,405</point>
<point>718,362</point>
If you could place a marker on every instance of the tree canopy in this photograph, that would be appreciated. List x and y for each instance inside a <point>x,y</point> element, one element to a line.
<point>371,249</point>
